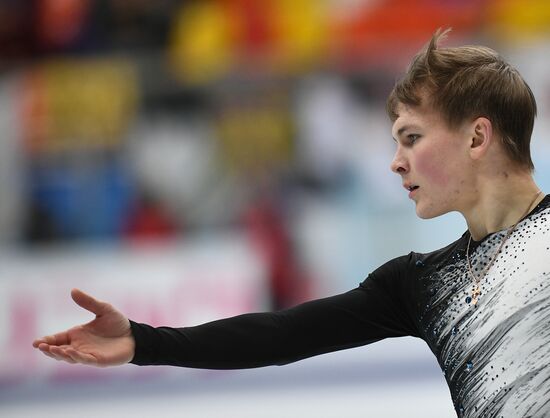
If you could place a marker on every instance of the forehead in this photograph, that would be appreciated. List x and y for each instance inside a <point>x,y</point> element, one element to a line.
<point>422,116</point>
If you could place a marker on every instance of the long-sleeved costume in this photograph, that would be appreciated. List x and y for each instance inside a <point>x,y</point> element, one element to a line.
<point>495,355</point>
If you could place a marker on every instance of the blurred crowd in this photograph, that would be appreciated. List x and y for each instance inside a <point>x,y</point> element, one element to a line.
<point>138,120</point>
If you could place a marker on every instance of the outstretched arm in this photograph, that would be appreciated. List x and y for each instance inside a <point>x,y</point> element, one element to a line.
<point>373,311</point>
<point>105,341</point>
<point>360,316</point>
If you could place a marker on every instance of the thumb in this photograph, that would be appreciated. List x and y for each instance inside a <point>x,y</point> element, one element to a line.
<point>88,302</point>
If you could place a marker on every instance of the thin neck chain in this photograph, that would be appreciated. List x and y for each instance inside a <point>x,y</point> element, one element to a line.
<point>476,290</point>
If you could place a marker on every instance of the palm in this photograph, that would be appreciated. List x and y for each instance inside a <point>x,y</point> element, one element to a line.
<point>105,338</point>
<point>104,341</point>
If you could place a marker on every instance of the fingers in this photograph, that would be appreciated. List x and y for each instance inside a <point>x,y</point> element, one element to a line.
<point>85,301</point>
<point>88,302</point>
<point>38,341</point>
<point>61,338</point>
<point>67,354</point>
<point>55,352</point>
<point>47,353</point>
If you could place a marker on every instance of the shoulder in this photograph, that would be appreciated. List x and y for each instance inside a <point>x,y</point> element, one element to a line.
<point>409,266</point>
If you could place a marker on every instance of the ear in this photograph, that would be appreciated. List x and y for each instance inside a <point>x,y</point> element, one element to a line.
<point>481,134</point>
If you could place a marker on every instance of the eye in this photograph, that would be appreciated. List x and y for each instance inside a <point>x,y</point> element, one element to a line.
<point>413,138</point>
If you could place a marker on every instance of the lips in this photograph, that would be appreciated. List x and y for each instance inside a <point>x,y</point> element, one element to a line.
<point>412,188</point>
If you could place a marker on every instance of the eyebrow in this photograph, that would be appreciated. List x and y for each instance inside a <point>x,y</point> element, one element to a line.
<point>403,129</point>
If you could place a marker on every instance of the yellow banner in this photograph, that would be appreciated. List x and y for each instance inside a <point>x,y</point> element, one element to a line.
<point>75,104</point>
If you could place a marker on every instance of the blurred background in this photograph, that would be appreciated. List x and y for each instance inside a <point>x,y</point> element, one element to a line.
<point>191,160</point>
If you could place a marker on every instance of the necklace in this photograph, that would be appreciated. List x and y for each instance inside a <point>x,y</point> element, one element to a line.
<point>476,290</point>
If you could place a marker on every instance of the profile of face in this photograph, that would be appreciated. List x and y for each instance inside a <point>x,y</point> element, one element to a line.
<point>433,160</point>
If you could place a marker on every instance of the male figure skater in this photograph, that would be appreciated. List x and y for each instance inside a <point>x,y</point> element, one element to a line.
<point>462,121</point>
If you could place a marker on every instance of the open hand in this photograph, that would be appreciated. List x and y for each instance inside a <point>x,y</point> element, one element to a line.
<point>105,341</point>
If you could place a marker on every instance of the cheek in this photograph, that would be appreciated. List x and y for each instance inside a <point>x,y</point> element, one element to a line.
<point>435,168</point>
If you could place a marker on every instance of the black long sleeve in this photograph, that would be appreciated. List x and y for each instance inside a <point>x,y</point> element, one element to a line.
<point>360,316</point>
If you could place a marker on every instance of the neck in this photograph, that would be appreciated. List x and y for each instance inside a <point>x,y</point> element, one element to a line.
<point>501,203</point>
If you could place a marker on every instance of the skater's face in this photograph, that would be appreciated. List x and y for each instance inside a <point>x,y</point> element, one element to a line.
<point>432,159</point>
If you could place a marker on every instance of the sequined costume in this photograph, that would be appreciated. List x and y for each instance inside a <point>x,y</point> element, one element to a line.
<point>495,355</point>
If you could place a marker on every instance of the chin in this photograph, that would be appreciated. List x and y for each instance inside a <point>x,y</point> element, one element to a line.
<point>428,212</point>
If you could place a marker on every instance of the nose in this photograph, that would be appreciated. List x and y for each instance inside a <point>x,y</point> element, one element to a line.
<point>399,164</point>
